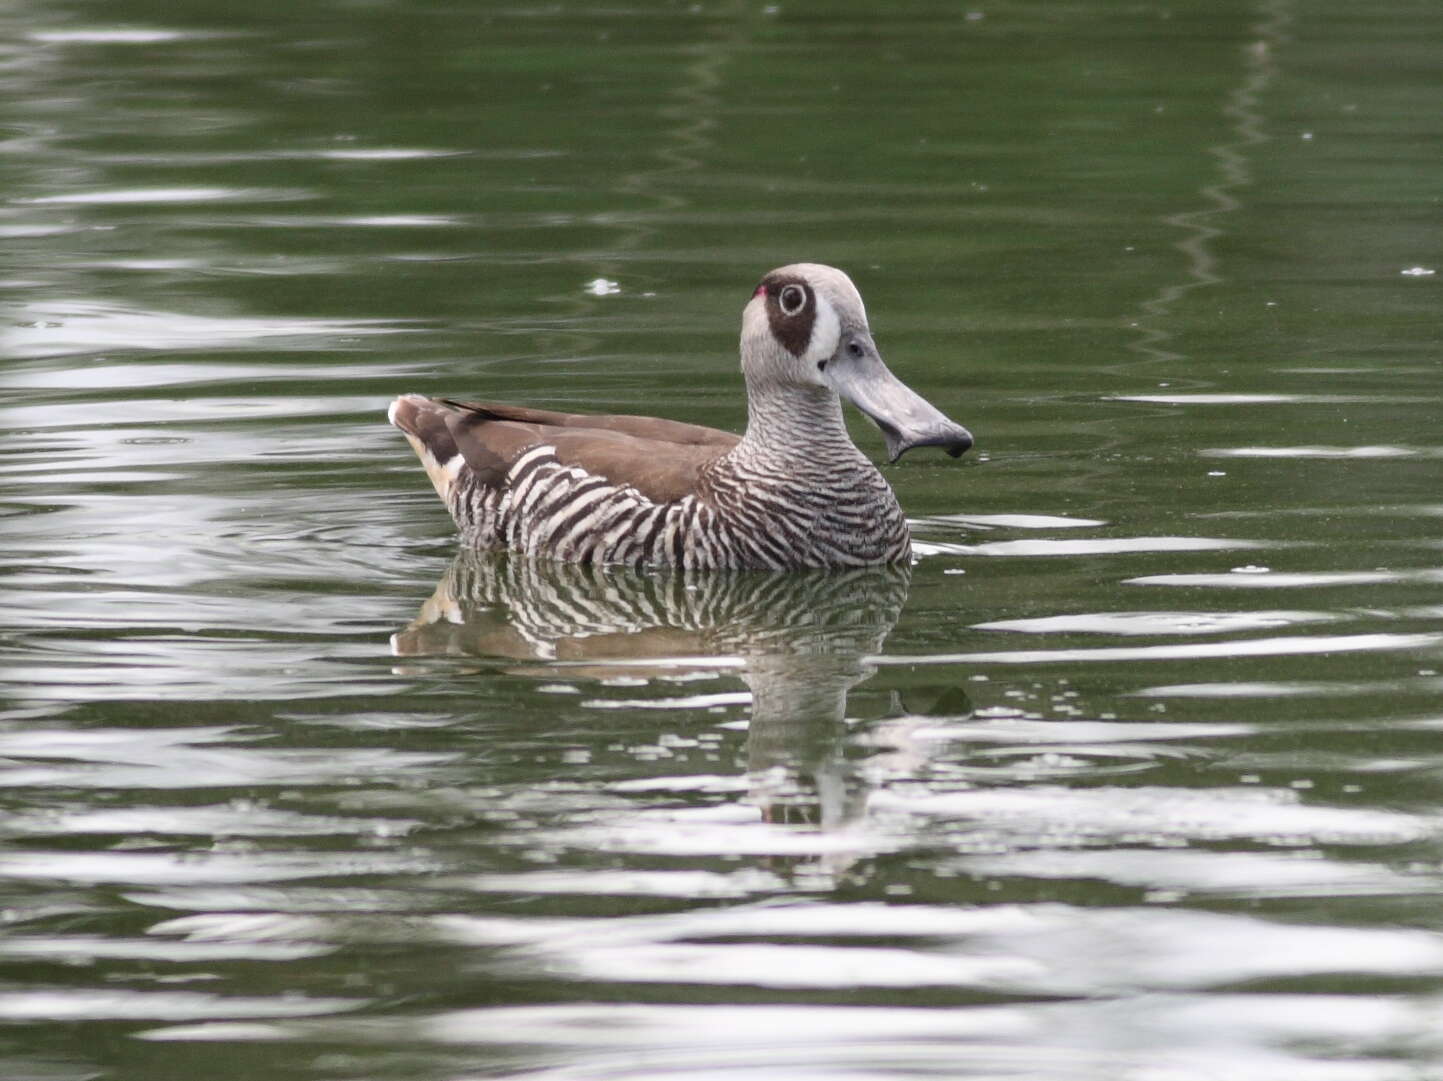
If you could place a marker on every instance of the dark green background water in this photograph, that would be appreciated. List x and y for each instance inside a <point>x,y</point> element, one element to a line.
<point>1136,775</point>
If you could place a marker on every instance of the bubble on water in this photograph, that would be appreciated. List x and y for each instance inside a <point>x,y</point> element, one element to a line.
<point>602,287</point>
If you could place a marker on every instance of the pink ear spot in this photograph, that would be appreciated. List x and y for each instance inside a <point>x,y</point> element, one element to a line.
<point>761,291</point>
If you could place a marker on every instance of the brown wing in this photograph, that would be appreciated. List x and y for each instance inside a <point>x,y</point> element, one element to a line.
<point>660,458</point>
<point>654,428</point>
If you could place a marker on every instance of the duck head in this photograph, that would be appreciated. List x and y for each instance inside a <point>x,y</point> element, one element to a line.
<point>805,327</point>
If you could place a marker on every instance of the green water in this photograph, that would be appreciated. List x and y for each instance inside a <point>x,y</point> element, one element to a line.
<point>1133,775</point>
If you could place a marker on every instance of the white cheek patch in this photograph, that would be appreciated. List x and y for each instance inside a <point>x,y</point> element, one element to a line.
<point>826,332</point>
<point>754,319</point>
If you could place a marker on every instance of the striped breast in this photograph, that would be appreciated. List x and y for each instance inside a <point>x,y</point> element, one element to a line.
<point>840,513</point>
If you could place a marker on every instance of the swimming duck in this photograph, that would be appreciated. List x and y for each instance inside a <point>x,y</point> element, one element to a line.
<point>793,491</point>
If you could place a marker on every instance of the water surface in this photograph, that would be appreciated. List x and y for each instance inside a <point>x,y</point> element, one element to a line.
<point>1133,774</point>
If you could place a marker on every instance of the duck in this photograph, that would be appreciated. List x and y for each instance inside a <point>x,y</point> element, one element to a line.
<point>791,492</point>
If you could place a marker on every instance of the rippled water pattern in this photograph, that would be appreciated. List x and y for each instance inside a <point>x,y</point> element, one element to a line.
<point>1134,774</point>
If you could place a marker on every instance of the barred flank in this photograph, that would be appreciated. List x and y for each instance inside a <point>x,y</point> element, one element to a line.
<point>739,518</point>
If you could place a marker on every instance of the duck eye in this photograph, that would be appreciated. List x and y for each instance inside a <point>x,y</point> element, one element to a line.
<point>792,299</point>
<point>855,348</point>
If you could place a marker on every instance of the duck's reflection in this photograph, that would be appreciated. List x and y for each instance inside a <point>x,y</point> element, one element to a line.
<point>800,641</point>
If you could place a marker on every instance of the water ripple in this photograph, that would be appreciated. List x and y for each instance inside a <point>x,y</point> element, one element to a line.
<point>1009,521</point>
<point>1154,816</point>
<point>55,328</point>
<point>118,35</point>
<point>187,868</point>
<point>80,1004</point>
<point>1268,399</point>
<point>1105,546</point>
<point>142,196</point>
<point>1140,623</point>
<point>1269,579</point>
<point>1252,647</point>
<point>1423,683</point>
<point>1381,452</point>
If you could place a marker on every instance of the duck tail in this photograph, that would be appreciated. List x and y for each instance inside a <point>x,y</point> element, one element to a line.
<point>423,421</point>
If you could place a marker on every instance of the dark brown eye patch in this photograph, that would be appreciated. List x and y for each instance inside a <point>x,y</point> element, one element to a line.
<point>791,312</point>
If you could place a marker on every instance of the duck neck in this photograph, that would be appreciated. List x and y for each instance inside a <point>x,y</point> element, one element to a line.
<point>782,420</point>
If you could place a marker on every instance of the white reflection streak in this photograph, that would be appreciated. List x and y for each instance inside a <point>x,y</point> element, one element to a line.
<point>1380,452</point>
<point>1256,647</point>
<point>133,196</point>
<point>112,36</point>
<point>1284,580</point>
<point>80,1004</point>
